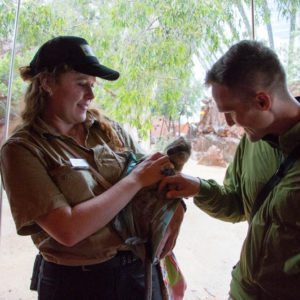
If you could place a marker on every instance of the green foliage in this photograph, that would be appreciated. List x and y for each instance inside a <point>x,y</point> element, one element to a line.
<point>152,43</point>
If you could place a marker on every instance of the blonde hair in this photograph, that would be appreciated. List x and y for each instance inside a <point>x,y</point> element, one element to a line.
<point>36,98</point>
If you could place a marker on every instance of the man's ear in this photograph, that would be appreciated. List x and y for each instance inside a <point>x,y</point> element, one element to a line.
<point>263,101</point>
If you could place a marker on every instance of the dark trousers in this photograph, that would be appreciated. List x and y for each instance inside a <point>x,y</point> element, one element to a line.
<point>121,278</point>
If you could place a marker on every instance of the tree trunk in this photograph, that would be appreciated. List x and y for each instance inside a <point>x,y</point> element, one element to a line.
<point>267,19</point>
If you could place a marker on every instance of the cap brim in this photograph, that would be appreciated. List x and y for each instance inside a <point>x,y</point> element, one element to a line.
<point>98,71</point>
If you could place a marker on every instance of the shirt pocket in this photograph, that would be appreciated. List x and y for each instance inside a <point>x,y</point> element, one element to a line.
<point>110,164</point>
<point>77,185</point>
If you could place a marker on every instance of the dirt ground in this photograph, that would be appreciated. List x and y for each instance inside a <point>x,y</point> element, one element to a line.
<point>206,251</point>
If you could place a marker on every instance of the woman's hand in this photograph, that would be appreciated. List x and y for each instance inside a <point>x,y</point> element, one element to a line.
<point>149,171</point>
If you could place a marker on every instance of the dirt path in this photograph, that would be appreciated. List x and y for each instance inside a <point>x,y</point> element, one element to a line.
<point>206,251</point>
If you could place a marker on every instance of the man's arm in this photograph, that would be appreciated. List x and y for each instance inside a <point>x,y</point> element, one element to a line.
<point>223,202</point>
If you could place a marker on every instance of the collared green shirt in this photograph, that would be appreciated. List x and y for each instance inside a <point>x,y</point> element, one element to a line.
<point>39,177</point>
<point>269,266</point>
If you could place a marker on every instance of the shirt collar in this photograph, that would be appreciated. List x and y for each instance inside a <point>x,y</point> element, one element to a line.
<point>287,141</point>
<point>45,130</point>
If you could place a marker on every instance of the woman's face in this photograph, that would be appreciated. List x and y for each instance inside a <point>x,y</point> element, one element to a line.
<point>70,97</point>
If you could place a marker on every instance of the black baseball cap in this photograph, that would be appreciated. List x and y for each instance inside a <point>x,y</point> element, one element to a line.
<point>73,51</point>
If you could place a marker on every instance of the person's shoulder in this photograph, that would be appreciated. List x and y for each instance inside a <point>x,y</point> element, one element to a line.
<point>20,131</point>
<point>118,127</point>
<point>22,134</point>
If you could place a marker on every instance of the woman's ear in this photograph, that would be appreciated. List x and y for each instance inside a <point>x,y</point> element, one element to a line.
<point>46,84</point>
<point>263,101</point>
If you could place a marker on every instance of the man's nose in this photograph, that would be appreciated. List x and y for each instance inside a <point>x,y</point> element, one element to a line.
<point>229,120</point>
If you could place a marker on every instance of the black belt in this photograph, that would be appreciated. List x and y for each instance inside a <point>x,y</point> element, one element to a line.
<point>122,259</point>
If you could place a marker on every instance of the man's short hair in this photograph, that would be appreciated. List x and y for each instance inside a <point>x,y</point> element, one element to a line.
<point>247,65</point>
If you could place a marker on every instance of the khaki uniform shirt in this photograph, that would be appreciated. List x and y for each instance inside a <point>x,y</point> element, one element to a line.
<point>39,177</point>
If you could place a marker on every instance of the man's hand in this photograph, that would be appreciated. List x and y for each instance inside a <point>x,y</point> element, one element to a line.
<point>180,186</point>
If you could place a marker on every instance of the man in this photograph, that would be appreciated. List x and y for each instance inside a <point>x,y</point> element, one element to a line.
<point>249,86</point>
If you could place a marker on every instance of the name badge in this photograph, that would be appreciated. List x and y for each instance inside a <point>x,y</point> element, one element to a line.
<point>79,163</point>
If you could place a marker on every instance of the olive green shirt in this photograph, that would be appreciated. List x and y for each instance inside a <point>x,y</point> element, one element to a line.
<point>39,177</point>
<point>269,266</point>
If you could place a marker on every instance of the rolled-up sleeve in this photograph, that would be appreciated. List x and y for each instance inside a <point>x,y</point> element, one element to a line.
<point>29,188</point>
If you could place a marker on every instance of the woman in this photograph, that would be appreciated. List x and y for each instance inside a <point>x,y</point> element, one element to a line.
<point>49,169</point>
